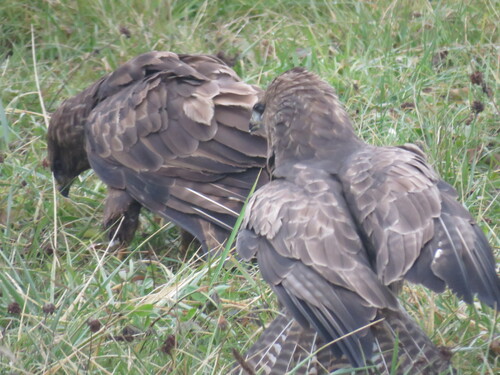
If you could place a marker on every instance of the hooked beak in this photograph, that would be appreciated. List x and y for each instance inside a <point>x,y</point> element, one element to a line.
<point>255,122</point>
<point>63,184</point>
<point>64,190</point>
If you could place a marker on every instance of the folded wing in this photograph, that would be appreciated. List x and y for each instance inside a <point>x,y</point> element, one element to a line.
<point>172,131</point>
<point>414,227</point>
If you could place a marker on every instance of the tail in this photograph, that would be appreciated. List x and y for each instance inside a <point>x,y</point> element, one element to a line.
<point>285,347</point>
<point>401,347</point>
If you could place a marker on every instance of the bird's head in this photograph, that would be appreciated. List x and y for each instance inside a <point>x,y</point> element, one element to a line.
<point>66,146</point>
<point>302,117</point>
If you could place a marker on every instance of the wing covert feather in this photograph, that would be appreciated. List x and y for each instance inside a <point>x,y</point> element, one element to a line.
<point>156,125</point>
<point>393,196</point>
<point>414,227</point>
<point>308,251</point>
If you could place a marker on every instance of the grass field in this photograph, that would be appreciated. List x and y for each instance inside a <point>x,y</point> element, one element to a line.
<point>402,68</point>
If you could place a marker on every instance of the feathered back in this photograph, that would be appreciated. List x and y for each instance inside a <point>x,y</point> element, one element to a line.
<point>171,131</point>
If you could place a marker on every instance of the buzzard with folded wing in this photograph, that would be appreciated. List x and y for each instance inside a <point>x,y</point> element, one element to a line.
<point>168,132</point>
<point>344,223</point>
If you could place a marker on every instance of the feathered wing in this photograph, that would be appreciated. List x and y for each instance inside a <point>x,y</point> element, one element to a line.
<point>172,132</point>
<point>414,226</point>
<point>308,250</point>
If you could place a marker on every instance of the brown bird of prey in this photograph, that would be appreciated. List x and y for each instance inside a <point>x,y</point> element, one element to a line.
<point>344,223</point>
<point>168,132</point>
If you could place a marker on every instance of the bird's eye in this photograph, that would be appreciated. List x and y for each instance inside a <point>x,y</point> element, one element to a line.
<point>259,108</point>
<point>256,119</point>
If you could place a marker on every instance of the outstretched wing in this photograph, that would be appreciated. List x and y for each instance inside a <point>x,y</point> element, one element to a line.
<point>172,130</point>
<point>308,250</point>
<point>414,227</point>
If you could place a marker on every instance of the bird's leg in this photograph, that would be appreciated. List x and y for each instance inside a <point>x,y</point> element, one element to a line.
<point>187,239</point>
<point>121,218</point>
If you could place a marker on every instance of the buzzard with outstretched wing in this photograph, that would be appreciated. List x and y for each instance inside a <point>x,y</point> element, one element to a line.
<point>344,223</point>
<point>168,132</point>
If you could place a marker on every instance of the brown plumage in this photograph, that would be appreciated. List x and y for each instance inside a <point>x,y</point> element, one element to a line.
<point>284,346</point>
<point>343,223</point>
<point>168,132</point>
